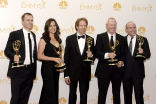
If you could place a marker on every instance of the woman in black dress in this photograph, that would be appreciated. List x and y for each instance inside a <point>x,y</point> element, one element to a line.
<point>49,41</point>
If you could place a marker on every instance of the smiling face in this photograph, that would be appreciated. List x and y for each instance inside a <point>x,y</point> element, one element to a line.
<point>81,28</point>
<point>111,26</point>
<point>27,22</point>
<point>52,28</point>
<point>131,29</point>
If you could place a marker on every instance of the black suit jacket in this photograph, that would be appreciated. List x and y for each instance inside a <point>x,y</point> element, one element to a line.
<point>75,67</point>
<point>103,70</point>
<point>132,66</point>
<point>9,52</point>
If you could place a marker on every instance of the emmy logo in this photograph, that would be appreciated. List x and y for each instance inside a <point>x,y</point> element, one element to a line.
<point>68,31</point>
<point>142,9</point>
<point>89,44</point>
<point>7,30</point>
<point>113,61</point>
<point>41,5</point>
<point>59,66</point>
<point>140,56</point>
<point>117,7</point>
<point>84,6</point>
<point>16,46</point>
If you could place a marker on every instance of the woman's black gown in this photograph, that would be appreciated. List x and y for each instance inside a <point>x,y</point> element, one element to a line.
<point>50,89</point>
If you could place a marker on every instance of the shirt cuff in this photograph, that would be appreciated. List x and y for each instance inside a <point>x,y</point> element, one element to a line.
<point>67,77</point>
<point>106,56</point>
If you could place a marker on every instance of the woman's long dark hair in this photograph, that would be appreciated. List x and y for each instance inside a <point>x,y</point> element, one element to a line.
<point>46,31</point>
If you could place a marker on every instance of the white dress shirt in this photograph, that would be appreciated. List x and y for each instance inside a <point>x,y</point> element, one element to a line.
<point>133,42</point>
<point>109,37</point>
<point>81,43</point>
<point>27,52</point>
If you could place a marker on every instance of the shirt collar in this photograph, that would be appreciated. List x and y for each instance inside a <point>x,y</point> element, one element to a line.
<point>25,31</point>
<point>79,34</point>
<point>111,35</point>
<point>129,37</point>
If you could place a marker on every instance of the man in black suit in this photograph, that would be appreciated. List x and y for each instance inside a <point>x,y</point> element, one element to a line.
<point>22,77</point>
<point>133,70</point>
<point>104,72</point>
<point>78,70</point>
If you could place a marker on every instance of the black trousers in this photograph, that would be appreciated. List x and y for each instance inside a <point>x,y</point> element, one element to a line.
<point>128,84</point>
<point>103,84</point>
<point>21,86</point>
<point>83,88</point>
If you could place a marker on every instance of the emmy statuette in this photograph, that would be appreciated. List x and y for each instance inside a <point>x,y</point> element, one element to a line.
<point>59,66</point>
<point>89,44</point>
<point>16,46</point>
<point>140,56</point>
<point>113,61</point>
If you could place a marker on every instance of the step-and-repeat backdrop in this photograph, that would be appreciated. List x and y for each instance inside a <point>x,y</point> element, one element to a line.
<point>66,12</point>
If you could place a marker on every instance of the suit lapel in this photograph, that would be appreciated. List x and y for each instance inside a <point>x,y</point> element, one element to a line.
<point>117,37</point>
<point>35,47</point>
<point>22,38</point>
<point>136,47</point>
<point>34,39</point>
<point>127,45</point>
<point>106,37</point>
<point>107,42</point>
<point>21,35</point>
<point>76,43</point>
<point>126,42</point>
<point>85,46</point>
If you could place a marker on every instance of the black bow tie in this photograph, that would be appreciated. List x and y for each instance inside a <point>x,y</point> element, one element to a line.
<point>81,37</point>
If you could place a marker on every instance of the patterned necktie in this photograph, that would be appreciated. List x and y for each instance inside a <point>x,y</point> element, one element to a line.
<point>30,48</point>
<point>130,45</point>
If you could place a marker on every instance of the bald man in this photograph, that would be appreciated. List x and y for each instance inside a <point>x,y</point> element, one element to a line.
<point>133,70</point>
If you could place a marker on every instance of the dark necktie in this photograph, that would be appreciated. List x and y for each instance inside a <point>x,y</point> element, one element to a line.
<point>81,37</point>
<point>111,41</point>
<point>130,45</point>
<point>30,48</point>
